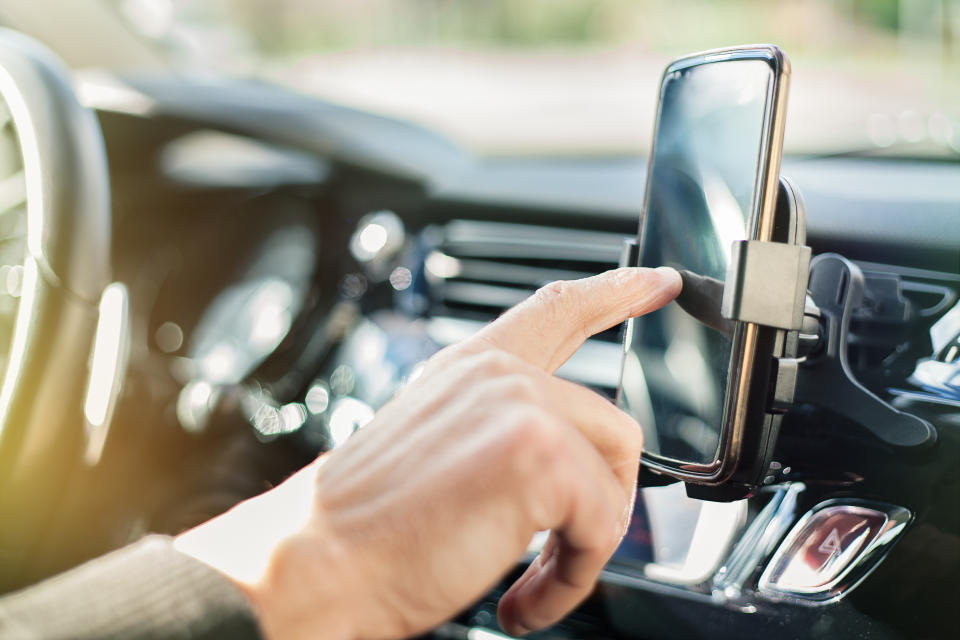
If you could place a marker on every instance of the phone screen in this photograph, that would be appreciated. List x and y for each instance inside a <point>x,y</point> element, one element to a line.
<point>702,196</point>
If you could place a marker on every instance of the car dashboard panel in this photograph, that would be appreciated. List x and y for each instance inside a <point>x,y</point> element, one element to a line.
<point>369,260</point>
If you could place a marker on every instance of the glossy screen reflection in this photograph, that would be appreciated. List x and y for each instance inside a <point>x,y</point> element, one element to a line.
<point>701,196</point>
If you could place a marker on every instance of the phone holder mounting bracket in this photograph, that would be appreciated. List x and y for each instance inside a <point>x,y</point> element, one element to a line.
<point>825,378</point>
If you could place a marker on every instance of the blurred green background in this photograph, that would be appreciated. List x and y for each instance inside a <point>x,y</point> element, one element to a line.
<point>820,26</point>
<point>579,76</point>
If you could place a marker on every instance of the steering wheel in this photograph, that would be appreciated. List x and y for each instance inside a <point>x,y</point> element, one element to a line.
<point>62,325</point>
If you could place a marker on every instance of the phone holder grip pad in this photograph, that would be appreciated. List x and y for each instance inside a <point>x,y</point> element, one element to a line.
<point>767,284</point>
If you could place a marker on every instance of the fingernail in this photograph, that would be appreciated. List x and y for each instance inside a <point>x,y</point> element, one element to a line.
<point>516,629</point>
<point>508,622</point>
<point>670,276</point>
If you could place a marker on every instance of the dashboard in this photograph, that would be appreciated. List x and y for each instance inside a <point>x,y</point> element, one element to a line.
<point>291,264</point>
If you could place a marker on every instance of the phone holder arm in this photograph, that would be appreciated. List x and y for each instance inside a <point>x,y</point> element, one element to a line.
<point>826,379</point>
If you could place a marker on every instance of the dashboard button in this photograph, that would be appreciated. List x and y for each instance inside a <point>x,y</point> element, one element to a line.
<point>831,548</point>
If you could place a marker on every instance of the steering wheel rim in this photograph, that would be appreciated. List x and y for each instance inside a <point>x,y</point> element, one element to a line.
<point>66,270</point>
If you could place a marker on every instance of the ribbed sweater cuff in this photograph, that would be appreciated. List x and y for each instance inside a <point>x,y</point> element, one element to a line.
<point>146,590</point>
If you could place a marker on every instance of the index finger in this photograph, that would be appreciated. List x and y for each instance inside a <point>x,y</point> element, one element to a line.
<point>546,328</point>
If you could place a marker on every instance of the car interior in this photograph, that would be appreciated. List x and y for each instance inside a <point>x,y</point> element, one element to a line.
<point>210,277</point>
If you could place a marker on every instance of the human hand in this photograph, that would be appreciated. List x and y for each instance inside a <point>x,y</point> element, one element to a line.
<point>429,505</point>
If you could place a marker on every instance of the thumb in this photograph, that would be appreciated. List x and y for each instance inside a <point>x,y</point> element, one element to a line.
<point>546,328</point>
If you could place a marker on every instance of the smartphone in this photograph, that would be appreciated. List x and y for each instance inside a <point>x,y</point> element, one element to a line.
<point>697,387</point>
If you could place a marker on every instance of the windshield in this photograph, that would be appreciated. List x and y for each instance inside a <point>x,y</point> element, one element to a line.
<point>581,76</point>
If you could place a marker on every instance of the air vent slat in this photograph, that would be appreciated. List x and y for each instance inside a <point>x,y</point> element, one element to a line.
<point>516,274</point>
<point>504,240</point>
<point>485,295</point>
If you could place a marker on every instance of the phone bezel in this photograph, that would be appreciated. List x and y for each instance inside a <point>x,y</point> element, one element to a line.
<point>742,394</point>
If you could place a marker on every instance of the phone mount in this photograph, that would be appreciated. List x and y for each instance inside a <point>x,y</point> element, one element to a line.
<point>826,379</point>
<point>778,286</point>
<point>814,368</point>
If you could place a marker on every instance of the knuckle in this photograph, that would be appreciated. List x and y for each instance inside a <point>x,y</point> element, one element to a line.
<point>529,426</point>
<point>512,392</point>
<point>521,388</point>
<point>556,296</point>
<point>452,368</point>
<point>562,304</point>
<point>607,534</point>
<point>450,359</point>
<point>554,290</point>
<point>493,362</point>
<point>533,438</point>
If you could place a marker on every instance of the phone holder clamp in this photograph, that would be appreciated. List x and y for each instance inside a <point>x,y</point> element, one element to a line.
<point>826,379</point>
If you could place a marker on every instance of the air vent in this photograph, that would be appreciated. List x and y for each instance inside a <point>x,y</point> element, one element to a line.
<point>478,269</point>
<point>474,270</point>
<point>890,331</point>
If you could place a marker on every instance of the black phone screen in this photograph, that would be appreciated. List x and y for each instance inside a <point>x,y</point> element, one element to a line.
<point>702,196</point>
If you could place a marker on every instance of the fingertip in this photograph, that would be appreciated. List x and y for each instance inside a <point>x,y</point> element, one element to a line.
<point>670,278</point>
<point>507,617</point>
<point>650,289</point>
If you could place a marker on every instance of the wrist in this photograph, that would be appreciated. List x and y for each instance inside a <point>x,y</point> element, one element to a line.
<point>299,594</point>
<point>269,548</point>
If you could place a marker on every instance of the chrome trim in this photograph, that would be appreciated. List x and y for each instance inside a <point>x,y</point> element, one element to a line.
<point>108,368</point>
<point>759,540</point>
<point>717,527</point>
